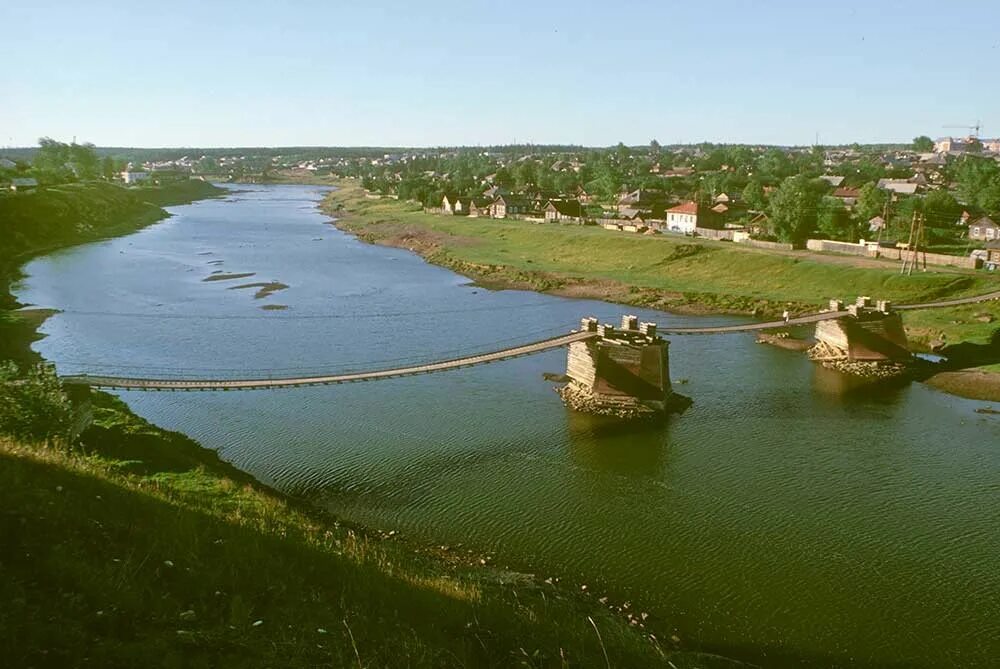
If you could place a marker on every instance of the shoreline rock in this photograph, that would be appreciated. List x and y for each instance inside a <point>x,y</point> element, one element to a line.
<point>625,408</point>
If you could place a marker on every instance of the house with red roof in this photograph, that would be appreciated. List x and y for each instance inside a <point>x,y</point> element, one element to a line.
<point>684,217</point>
<point>849,196</point>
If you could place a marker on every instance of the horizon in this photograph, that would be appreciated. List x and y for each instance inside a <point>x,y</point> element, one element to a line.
<point>456,75</point>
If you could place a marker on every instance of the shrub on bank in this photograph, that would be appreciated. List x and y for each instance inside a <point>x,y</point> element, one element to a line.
<point>33,405</point>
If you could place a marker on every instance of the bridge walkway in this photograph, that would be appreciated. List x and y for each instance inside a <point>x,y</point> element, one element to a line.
<point>126,383</point>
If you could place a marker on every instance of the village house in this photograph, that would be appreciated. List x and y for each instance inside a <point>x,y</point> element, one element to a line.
<point>455,205</point>
<point>582,195</point>
<point>494,192</point>
<point>984,230</point>
<point>849,196</point>
<point>834,181</point>
<point>898,186</point>
<point>875,224</point>
<point>133,176</point>
<point>725,198</point>
<point>23,184</point>
<point>479,208</point>
<point>630,199</point>
<point>683,218</point>
<point>563,210</point>
<point>508,205</point>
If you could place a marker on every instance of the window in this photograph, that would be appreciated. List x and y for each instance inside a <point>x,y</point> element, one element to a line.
<point>975,231</point>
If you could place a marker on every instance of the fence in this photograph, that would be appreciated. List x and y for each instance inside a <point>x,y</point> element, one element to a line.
<point>710,233</point>
<point>892,253</point>
<point>773,246</point>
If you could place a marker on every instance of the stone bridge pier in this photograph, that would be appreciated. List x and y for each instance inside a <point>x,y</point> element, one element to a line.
<point>868,341</point>
<point>623,371</point>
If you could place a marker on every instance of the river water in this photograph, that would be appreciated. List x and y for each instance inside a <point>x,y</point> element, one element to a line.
<point>786,517</point>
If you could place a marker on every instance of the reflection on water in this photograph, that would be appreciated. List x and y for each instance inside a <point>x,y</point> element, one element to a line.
<point>630,449</point>
<point>788,509</point>
<point>849,389</point>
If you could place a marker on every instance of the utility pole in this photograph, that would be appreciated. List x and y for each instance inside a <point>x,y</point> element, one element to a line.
<point>909,246</point>
<point>885,220</point>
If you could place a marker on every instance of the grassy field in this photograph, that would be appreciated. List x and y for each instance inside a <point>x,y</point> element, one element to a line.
<point>140,548</point>
<point>662,271</point>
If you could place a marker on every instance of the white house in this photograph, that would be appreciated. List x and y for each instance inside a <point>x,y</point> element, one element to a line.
<point>130,177</point>
<point>683,218</point>
<point>23,184</point>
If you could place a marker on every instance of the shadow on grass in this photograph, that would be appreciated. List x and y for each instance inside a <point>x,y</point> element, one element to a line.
<point>962,356</point>
<point>98,574</point>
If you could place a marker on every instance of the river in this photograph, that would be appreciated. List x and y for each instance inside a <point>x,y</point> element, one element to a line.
<point>786,517</point>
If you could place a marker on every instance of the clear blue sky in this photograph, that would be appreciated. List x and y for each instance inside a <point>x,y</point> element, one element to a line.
<point>223,73</point>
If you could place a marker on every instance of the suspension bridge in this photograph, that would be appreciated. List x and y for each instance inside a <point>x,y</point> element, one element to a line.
<point>268,381</point>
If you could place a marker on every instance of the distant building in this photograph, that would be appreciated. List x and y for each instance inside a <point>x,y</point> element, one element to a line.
<point>6,164</point>
<point>494,192</point>
<point>849,196</point>
<point>506,205</point>
<point>875,224</point>
<point>479,208</point>
<point>898,186</point>
<point>965,144</point>
<point>132,177</point>
<point>563,210</point>
<point>683,218</point>
<point>452,204</point>
<point>630,199</point>
<point>834,181</point>
<point>23,184</point>
<point>984,230</point>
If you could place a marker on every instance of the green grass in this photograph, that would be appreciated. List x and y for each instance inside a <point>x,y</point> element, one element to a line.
<point>662,271</point>
<point>142,549</point>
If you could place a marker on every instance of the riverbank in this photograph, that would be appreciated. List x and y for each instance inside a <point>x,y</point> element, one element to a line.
<point>664,272</point>
<point>60,216</point>
<point>138,546</point>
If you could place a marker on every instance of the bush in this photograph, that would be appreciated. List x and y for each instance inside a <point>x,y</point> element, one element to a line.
<point>33,405</point>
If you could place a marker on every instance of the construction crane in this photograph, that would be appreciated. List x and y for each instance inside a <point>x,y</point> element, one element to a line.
<point>974,128</point>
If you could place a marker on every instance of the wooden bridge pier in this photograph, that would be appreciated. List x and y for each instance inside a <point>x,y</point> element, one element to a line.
<point>623,372</point>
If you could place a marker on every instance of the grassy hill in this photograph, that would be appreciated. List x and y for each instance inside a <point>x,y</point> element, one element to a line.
<point>71,213</point>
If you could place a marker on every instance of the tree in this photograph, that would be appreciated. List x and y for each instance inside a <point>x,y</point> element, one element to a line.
<point>871,203</point>
<point>109,168</point>
<point>57,162</point>
<point>525,175</point>
<point>654,147</point>
<point>793,209</point>
<point>979,182</point>
<point>622,153</point>
<point>774,165</point>
<point>923,144</point>
<point>833,220</point>
<point>753,196</point>
<point>83,160</point>
<point>941,209</point>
